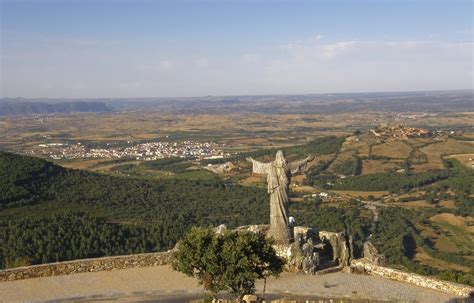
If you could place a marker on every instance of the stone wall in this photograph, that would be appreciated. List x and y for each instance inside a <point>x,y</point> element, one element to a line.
<point>365,266</point>
<point>86,265</point>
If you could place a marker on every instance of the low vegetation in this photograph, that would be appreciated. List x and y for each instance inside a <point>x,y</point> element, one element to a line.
<point>396,236</point>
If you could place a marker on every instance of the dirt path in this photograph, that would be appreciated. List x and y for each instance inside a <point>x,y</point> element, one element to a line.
<point>161,284</point>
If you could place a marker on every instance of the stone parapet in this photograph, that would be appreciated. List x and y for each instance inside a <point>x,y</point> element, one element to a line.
<point>365,266</point>
<point>87,265</point>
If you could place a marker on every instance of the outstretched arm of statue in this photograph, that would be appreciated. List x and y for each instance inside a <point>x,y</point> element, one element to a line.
<point>300,166</point>
<point>259,167</point>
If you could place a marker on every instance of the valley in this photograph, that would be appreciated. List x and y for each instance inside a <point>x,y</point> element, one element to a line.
<point>410,194</point>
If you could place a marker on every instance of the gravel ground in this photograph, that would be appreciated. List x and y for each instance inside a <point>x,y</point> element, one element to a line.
<point>162,284</point>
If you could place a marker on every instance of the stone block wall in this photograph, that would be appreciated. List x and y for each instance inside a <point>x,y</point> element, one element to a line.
<point>87,265</point>
<point>365,266</point>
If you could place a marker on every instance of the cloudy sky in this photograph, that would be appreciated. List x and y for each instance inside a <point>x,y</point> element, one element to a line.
<point>150,48</point>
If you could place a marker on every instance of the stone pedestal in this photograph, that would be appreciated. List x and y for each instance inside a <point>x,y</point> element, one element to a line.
<point>309,251</point>
<point>281,234</point>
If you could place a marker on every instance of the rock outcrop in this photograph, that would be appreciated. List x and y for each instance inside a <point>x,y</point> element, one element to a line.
<point>372,255</point>
<point>341,245</point>
<point>311,250</point>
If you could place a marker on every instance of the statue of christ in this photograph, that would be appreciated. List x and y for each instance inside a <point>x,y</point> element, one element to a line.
<point>279,174</point>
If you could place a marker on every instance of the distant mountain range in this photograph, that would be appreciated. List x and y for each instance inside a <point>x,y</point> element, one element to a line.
<point>9,108</point>
<point>418,101</point>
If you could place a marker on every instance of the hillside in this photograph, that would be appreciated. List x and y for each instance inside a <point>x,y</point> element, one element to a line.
<point>50,213</point>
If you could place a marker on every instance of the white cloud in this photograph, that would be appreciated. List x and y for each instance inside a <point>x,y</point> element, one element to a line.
<point>330,51</point>
<point>82,68</point>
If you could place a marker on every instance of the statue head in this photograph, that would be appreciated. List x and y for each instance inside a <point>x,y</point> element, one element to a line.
<point>280,159</point>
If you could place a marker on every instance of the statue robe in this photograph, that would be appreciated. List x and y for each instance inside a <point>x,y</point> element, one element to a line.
<point>278,185</point>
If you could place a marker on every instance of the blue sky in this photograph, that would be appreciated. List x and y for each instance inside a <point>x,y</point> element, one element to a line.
<point>195,48</point>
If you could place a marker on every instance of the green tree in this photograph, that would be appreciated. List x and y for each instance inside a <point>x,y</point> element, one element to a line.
<point>232,261</point>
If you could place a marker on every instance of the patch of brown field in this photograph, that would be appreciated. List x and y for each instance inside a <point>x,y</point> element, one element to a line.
<point>427,232</point>
<point>422,257</point>
<point>448,204</point>
<point>298,180</point>
<point>469,257</point>
<point>419,141</point>
<point>393,149</point>
<point>254,141</point>
<point>417,203</point>
<point>297,200</point>
<point>435,152</point>
<point>364,151</point>
<point>469,135</point>
<point>378,166</point>
<point>452,219</point>
<point>254,179</point>
<point>303,189</point>
<point>318,158</point>
<point>425,167</point>
<point>465,159</point>
<point>442,243</point>
<point>82,164</point>
<point>460,229</point>
<point>108,167</point>
<point>363,194</point>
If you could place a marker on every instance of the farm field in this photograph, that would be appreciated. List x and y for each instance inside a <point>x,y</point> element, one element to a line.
<point>457,230</point>
<point>436,151</point>
<point>362,194</point>
<point>392,149</point>
<point>379,166</point>
<point>465,159</point>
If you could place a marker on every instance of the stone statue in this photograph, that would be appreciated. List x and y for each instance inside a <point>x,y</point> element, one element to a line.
<point>279,174</point>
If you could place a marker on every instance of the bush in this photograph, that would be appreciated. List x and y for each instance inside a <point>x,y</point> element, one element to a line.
<point>230,261</point>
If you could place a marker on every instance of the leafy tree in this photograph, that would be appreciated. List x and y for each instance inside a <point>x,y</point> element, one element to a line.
<point>231,261</point>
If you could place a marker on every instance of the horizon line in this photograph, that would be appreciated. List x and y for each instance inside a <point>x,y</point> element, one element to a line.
<point>248,95</point>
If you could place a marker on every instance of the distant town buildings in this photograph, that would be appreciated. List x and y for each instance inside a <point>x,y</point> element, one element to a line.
<point>143,151</point>
<point>399,131</point>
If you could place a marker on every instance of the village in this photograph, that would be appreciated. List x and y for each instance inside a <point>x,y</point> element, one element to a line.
<point>399,131</point>
<point>144,151</point>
